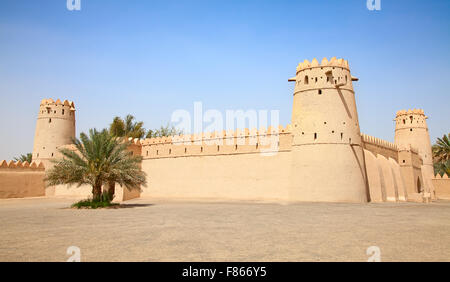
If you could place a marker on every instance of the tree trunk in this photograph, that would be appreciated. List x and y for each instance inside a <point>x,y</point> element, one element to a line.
<point>111,189</point>
<point>97,191</point>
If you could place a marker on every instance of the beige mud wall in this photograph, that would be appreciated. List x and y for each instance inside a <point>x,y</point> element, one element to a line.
<point>376,189</point>
<point>379,146</point>
<point>250,176</point>
<point>442,187</point>
<point>19,180</point>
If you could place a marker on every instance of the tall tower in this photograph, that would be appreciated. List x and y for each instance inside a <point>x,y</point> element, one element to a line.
<point>55,127</point>
<point>327,154</point>
<point>411,129</point>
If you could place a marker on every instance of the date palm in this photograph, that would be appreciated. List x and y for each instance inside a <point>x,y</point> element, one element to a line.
<point>163,131</point>
<point>96,160</point>
<point>127,127</point>
<point>25,158</point>
<point>441,150</point>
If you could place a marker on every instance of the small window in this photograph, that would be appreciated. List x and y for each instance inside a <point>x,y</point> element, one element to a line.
<point>404,161</point>
<point>201,149</point>
<point>147,153</point>
<point>315,136</point>
<point>157,152</point>
<point>235,147</point>
<point>256,145</point>
<point>49,120</point>
<point>306,79</point>
<point>342,135</point>
<point>52,154</point>
<point>410,129</point>
<point>316,79</point>
<point>404,121</point>
<point>62,111</point>
<point>218,148</point>
<point>320,91</point>
<point>185,150</point>
<point>170,151</point>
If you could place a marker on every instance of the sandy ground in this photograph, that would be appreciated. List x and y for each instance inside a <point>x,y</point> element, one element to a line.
<point>41,229</point>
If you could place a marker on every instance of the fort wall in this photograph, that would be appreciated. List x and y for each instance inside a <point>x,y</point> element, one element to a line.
<point>19,180</point>
<point>242,164</point>
<point>442,186</point>
<point>379,146</point>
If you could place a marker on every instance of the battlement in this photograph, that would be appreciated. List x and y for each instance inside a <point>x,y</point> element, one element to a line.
<point>411,112</point>
<point>50,101</point>
<point>272,139</point>
<point>333,62</point>
<point>211,136</point>
<point>22,165</point>
<point>438,176</point>
<point>377,141</point>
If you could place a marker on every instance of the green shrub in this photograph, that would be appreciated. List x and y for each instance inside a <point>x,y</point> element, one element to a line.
<point>103,202</point>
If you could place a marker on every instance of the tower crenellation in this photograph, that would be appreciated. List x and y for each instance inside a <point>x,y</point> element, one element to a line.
<point>55,127</point>
<point>324,108</point>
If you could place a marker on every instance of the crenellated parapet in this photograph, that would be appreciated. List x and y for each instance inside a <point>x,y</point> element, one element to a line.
<point>18,165</point>
<point>379,142</point>
<point>380,146</point>
<point>21,179</point>
<point>56,109</point>
<point>411,119</point>
<point>438,176</point>
<point>218,143</point>
<point>329,74</point>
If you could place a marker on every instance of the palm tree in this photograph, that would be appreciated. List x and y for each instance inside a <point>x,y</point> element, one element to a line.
<point>442,168</point>
<point>163,131</point>
<point>98,159</point>
<point>25,158</point>
<point>441,150</point>
<point>127,127</point>
<point>441,155</point>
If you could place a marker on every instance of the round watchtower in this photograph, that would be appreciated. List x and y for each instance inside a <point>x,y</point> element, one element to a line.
<point>411,129</point>
<point>328,160</point>
<point>55,127</point>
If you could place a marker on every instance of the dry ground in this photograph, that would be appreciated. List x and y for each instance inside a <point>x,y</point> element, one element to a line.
<point>41,229</point>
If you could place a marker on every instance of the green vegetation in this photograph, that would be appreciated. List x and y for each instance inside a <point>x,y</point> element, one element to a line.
<point>103,202</point>
<point>97,160</point>
<point>25,158</point>
<point>127,128</point>
<point>441,155</point>
<point>163,131</point>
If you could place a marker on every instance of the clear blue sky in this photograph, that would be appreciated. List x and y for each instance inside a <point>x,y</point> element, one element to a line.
<point>149,58</point>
